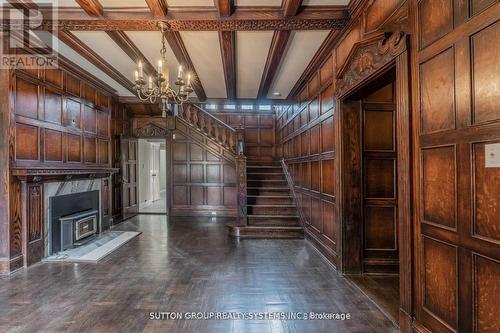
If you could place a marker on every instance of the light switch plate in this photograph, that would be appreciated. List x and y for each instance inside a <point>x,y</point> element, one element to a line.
<point>492,155</point>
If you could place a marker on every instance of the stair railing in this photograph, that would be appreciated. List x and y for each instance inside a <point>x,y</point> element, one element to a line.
<point>291,185</point>
<point>230,138</point>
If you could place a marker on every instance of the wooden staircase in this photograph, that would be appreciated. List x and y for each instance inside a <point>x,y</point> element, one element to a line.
<point>271,208</point>
<point>266,206</point>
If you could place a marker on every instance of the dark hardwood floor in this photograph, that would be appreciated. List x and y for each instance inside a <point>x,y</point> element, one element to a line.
<point>383,289</point>
<point>185,265</point>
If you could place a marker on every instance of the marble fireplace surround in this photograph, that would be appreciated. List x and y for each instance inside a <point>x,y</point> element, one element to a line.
<point>53,189</point>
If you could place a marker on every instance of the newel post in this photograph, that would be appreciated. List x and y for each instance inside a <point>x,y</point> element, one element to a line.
<point>241,171</point>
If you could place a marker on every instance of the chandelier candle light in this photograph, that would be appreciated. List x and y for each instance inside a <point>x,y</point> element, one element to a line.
<point>158,88</point>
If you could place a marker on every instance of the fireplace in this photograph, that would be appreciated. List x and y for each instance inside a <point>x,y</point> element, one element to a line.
<point>77,229</point>
<point>75,219</point>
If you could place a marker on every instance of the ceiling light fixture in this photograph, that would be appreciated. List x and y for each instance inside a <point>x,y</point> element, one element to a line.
<point>158,88</point>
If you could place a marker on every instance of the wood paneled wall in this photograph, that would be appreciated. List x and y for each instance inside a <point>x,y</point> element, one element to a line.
<point>456,113</point>
<point>259,129</point>
<point>380,192</point>
<point>203,176</point>
<point>307,134</point>
<point>60,119</point>
<point>59,122</point>
<point>120,125</point>
<point>6,260</point>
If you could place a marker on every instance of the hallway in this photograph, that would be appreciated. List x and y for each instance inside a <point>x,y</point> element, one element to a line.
<point>156,207</point>
<point>186,266</point>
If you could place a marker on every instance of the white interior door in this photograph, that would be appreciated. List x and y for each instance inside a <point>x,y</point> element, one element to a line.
<point>155,173</point>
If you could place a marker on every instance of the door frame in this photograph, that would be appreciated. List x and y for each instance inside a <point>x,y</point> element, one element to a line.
<point>157,127</point>
<point>388,53</point>
<point>129,211</point>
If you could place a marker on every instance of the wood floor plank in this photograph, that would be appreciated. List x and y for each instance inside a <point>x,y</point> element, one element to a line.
<point>185,265</point>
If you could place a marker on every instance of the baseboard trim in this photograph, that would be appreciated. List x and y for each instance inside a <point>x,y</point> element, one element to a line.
<point>328,253</point>
<point>265,232</point>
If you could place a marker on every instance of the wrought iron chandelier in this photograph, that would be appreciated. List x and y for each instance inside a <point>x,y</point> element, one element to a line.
<point>158,88</point>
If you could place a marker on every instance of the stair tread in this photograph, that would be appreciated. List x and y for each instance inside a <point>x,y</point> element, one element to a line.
<point>270,181</point>
<point>266,188</point>
<point>298,227</point>
<point>268,196</point>
<point>264,205</point>
<point>267,180</point>
<point>274,216</point>
<point>265,173</point>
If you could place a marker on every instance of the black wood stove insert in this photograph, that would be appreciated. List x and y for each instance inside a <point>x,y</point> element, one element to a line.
<point>75,219</point>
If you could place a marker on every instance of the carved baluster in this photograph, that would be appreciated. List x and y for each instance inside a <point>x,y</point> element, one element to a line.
<point>216,132</point>
<point>209,126</point>
<point>240,141</point>
<point>203,122</point>
<point>224,136</point>
<point>194,119</point>
<point>230,140</point>
<point>211,130</point>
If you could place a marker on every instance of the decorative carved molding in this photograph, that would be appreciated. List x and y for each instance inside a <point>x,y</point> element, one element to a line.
<point>150,131</point>
<point>366,58</point>
<point>40,174</point>
<point>241,170</point>
<point>34,213</point>
<point>197,25</point>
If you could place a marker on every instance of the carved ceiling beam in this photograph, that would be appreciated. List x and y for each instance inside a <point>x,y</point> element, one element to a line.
<point>204,20</point>
<point>126,44</point>
<point>73,42</point>
<point>177,45</point>
<point>291,7</point>
<point>224,7</point>
<point>276,52</point>
<point>91,7</point>
<point>228,48</point>
<point>159,8</point>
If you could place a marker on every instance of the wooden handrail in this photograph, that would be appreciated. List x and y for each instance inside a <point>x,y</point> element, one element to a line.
<point>291,185</point>
<point>216,129</point>
<point>215,118</point>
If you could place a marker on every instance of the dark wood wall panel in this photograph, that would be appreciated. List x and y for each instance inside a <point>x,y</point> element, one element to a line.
<point>438,186</point>
<point>59,119</point>
<point>485,71</point>
<point>455,115</point>
<point>306,132</point>
<point>437,77</point>
<point>436,20</point>
<point>486,273</point>
<point>120,125</point>
<point>379,141</point>
<point>487,192</point>
<point>440,265</point>
<point>203,180</point>
<point>57,125</point>
<point>258,129</point>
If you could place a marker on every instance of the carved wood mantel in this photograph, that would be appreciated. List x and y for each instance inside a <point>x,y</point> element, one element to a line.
<point>41,174</point>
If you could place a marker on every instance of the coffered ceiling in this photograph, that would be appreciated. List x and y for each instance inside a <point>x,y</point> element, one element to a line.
<point>241,49</point>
